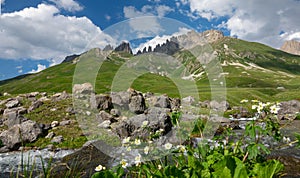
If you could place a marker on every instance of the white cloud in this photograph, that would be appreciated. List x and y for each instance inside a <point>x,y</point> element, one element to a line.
<point>254,20</point>
<point>69,5</point>
<point>39,69</point>
<point>20,71</point>
<point>2,2</point>
<point>141,25</point>
<point>42,33</point>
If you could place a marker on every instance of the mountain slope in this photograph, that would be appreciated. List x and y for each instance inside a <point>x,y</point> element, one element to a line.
<point>251,70</point>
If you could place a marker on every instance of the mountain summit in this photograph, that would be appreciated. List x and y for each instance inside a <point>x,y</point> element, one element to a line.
<point>292,47</point>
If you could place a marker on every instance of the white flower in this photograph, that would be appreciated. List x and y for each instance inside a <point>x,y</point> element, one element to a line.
<point>168,146</point>
<point>100,168</point>
<point>159,167</point>
<point>124,163</point>
<point>244,101</point>
<point>254,101</point>
<point>146,150</point>
<point>126,140</point>
<point>286,139</point>
<point>137,142</point>
<point>128,149</point>
<point>254,106</point>
<point>274,109</point>
<point>137,160</point>
<point>145,123</point>
<point>181,148</point>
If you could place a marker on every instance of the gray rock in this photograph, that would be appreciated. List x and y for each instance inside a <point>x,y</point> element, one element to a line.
<point>115,112</point>
<point>175,103</point>
<point>57,139</point>
<point>219,106</point>
<point>64,123</point>
<point>289,109</point>
<point>35,105</point>
<point>54,124</point>
<point>102,102</point>
<point>103,116</point>
<point>14,116</point>
<point>25,132</point>
<point>189,100</point>
<point>50,135</point>
<point>85,159</point>
<point>105,124</point>
<point>157,118</point>
<point>85,88</point>
<point>137,102</point>
<point>120,99</point>
<point>162,101</point>
<point>61,96</point>
<point>12,103</point>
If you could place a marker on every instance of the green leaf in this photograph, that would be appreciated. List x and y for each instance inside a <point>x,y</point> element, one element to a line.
<point>268,169</point>
<point>240,170</point>
<point>224,173</point>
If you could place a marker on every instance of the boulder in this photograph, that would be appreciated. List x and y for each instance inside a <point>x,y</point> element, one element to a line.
<point>12,103</point>
<point>60,96</point>
<point>25,132</point>
<point>289,109</point>
<point>137,103</point>
<point>14,116</point>
<point>65,122</point>
<point>105,124</point>
<point>175,104</point>
<point>81,91</point>
<point>54,124</point>
<point>103,116</point>
<point>35,105</point>
<point>115,112</point>
<point>102,102</point>
<point>120,99</point>
<point>157,118</point>
<point>83,161</point>
<point>57,139</point>
<point>162,101</point>
<point>50,135</point>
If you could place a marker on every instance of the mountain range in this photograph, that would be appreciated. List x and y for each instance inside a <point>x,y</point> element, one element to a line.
<point>251,70</point>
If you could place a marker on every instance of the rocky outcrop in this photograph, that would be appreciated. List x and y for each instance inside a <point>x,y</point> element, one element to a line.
<point>26,132</point>
<point>124,47</point>
<point>288,109</point>
<point>70,58</point>
<point>292,47</point>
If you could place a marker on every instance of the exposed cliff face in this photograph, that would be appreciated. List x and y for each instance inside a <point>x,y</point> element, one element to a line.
<point>125,47</point>
<point>173,45</point>
<point>291,46</point>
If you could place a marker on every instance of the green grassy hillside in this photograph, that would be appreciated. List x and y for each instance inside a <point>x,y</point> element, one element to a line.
<point>251,70</point>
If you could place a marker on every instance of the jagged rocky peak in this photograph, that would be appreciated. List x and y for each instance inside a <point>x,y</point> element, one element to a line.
<point>291,46</point>
<point>70,58</point>
<point>212,35</point>
<point>125,47</point>
<point>108,48</point>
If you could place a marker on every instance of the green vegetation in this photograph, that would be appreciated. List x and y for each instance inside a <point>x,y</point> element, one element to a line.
<point>226,155</point>
<point>250,69</point>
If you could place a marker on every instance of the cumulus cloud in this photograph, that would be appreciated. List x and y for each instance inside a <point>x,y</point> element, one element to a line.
<point>256,20</point>
<point>43,33</point>
<point>39,69</point>
<point>141,25</point>
<point>68,5</point>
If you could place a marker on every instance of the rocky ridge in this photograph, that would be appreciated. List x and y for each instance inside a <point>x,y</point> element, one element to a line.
<point>291,46</point>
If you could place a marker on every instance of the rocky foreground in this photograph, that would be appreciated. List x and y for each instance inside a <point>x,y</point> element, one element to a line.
<point>121,114</point>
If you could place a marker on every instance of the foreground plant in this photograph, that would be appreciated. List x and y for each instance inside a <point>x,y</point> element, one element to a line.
<point>228,155</point>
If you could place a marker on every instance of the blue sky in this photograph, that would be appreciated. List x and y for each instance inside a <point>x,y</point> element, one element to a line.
<point>35,34</point>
